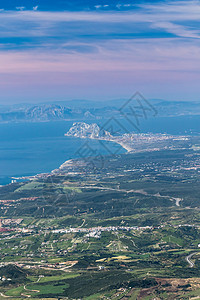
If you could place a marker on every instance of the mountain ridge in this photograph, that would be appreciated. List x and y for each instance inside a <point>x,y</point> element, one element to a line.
<point>84,109</point>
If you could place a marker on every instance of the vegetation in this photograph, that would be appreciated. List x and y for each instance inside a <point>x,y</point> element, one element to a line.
<point>129,230</point>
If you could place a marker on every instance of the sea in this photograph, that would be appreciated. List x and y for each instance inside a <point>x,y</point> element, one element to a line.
<point>28,149</point>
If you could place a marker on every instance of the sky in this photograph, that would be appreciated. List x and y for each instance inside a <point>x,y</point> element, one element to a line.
<point>98,50</point>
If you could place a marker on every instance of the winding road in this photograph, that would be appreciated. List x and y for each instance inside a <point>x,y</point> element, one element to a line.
<point>188,259</point>
<point>142,192</point>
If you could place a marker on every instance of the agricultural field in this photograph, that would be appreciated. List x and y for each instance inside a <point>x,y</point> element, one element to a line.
<point>128,231</point>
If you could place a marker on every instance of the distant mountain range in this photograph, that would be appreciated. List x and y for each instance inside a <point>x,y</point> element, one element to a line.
<point>53,112</point>
<point>86,109</point>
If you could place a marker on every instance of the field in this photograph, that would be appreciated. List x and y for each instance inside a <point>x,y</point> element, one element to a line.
<point>130,230</point>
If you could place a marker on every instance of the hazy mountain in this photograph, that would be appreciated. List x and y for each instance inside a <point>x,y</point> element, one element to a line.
<point>37,113</point>
<point>87,109</point>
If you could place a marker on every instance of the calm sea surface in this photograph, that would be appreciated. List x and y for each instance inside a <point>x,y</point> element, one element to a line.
<point>32,148</point>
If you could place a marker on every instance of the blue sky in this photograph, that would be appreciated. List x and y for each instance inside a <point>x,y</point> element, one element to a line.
<point>59,50</point>
<point>75,5</point>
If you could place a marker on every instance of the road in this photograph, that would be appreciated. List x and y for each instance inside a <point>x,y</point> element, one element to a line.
<point>142,192</point>
<point>2,295</point>
<point>188,259</point>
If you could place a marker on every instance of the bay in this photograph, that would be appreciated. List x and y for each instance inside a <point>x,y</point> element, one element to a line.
<point>30,148</point>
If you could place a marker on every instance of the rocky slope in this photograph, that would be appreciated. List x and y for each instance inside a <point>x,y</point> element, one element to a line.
<point>92,131</point>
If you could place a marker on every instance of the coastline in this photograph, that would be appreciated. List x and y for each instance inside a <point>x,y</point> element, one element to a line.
<point>69,163</point>
<point>142,143</point>
<point>121,143</point>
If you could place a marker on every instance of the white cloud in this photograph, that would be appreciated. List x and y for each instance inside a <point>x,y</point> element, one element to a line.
<point>179,30</point>
<point>169,12</point>
<point>84,44</point>
<point>181,19</point>
<point>21,8</point>
<point>155,19</point>
<point>116,55</point>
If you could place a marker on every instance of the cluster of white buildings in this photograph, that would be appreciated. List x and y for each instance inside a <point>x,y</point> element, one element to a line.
<point>95,231</point>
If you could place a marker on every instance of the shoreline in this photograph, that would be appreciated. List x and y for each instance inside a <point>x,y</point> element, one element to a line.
<point>122,144</point>
<point>66,163</point>
<point>73,162</point>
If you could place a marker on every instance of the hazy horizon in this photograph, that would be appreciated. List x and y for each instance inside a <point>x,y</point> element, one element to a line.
<point>102,102</point>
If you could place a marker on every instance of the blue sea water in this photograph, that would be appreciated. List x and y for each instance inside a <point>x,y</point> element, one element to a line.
<point>32,148</point>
